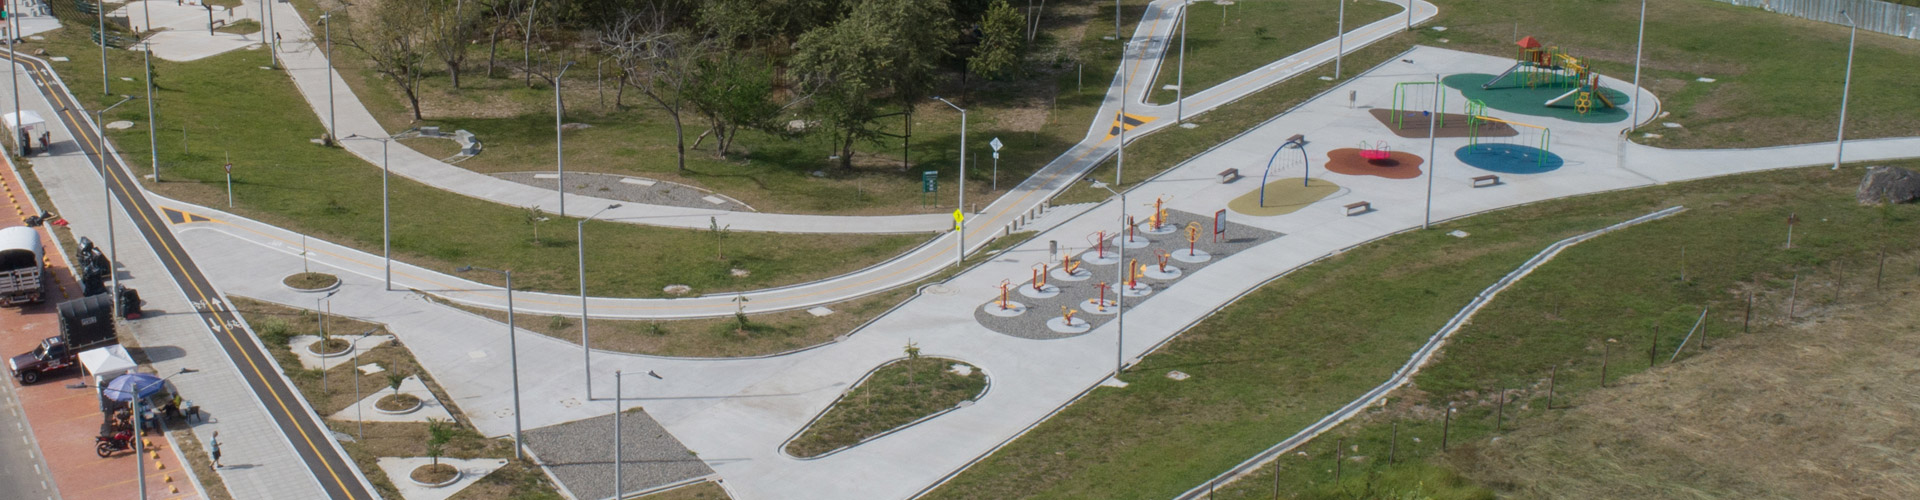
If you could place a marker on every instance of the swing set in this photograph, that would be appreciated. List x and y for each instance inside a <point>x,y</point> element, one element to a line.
<point>1530,136</point>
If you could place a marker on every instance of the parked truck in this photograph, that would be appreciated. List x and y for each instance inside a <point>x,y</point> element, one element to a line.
<point>85,323</point>
<point>21,266</point>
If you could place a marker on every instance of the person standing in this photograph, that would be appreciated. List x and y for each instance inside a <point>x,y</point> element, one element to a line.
<point>213,448</point>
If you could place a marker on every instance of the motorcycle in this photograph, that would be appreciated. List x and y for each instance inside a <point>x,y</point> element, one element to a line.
<point>107,444</point>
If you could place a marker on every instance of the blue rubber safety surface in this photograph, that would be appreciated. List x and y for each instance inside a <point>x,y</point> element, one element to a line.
<point>1509,158</point>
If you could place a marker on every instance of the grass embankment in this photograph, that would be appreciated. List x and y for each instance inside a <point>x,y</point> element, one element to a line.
<point>275,324</point>
<point>895,394</point>
<point>226,108</point>
<point>763,334</point>
<point>1817,409</point>
<point>1302,346</point>
<point>1253,34</point>
<point>706,490</point>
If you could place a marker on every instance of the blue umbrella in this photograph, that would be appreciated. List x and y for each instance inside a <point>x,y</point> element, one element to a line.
<point>123,388</point>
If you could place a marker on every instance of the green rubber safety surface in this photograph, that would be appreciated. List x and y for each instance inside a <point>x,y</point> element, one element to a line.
<point>1532,101</point>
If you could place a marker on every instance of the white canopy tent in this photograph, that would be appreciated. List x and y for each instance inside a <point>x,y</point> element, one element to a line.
<point>28,119</point>
<point>105,363</point>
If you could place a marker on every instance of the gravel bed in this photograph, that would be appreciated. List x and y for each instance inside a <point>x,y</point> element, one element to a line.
<point>580,455</point>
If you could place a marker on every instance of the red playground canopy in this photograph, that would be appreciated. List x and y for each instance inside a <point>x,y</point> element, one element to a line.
<point>1529,43</point>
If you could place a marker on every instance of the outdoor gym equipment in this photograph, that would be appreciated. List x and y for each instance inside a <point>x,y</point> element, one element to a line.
<point>1066,315</point>
<point>1040,277</point>
<point>1004,285</point>
<point>1068,264</point>
<point>1298,141</point>
<point>1103,297</point>
<point>1378,151</point>
<point>1159,216</point>
<point>1193,236</point>
<point>1162,255</point>
<point>1411,96</point>
<point>1099,244</point>
<point>1135,272</point>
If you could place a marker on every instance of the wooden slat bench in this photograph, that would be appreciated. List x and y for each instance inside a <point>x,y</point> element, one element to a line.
<point>1486,180</point>
<point>1359,207</point>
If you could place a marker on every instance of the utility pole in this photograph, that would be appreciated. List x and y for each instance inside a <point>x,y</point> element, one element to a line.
<point>559,153</point>
<point>153,139</point>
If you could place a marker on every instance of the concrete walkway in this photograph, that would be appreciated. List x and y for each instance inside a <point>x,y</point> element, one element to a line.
<point>736,412</point>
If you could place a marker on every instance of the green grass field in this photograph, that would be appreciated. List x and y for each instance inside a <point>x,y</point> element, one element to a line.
<point>896,394</point>
<point>1304,345</point>
<point>1253,34</point>
<point>226,108</point>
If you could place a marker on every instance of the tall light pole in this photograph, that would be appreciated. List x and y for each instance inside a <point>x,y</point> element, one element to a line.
<point>153,139</point>
<point>139,450</point>
<point>618,408</point>
<point>1638,45</point>
<point>106,188</point>
<point>513,357</point>
<point>1119,283</point>
<point>386,213</point>
<point>1840,142</point>
<point>960,221</point>
<point>559,154</point>
<point>1340,50</point>
<point>13,59</point>
<point>1116,21</point>
<point>1120,122</point>
<point>1432,146</point>
<point>359,410</point>
<point>1180,75</point>
<point>332,130</point>
<point>106,87</point>
<point>580,246</point>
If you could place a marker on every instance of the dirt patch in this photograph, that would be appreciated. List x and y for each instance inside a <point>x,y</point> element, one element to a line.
<point>1283,197</point>
<point>397,402</point>
<point>1397,164</point>
<point>311,281</point>
<point>1821,409</point>
<point>435,473</point>
<point>329,346</point>
<point>1413,124</point>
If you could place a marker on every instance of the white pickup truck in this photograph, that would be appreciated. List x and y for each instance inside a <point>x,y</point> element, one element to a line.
<point>21,266</point>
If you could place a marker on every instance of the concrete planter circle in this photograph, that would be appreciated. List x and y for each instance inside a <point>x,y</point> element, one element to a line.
<point>417,404</point>
<point>324,289</point>
<point>456,478</point>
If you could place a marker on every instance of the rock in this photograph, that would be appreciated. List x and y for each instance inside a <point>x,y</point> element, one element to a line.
<point>740,273</point>
<point>677,289</point>
<point>1889,184</point>
<point>575,126</point>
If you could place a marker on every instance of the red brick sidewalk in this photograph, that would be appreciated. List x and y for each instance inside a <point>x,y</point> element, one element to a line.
<point>66,419</point>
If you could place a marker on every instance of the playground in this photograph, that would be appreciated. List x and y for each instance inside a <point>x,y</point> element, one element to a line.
<point>1545,81</point>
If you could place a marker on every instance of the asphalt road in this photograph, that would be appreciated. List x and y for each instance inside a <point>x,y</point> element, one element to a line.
<point>23,474</point>
<point>302,429</point>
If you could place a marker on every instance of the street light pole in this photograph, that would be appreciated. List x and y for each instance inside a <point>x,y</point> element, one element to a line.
<point>153,140</point>
<point>1119,283</point>
<point>1638,45</point>
<point>1340,51</point>
<point>359,410</point>
<point>618,398</point>
<point>580,246</point>
<point>332,130</point>
<point>960,221</point>
<point>1432,118</point>
<point>1840,142</point>
<point>559,154</point>
<point>106,188</point>
<point>386,213</point>
<point>513,357</point>
<point>1180,75</point>
<point>101,36</point>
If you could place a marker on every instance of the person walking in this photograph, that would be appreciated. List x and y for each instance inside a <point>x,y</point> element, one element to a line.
<point>213,448</point>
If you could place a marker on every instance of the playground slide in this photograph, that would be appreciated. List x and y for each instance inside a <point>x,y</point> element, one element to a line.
<point>1503,75</point>
<point>1563,97</point>
<point>1599,93</point>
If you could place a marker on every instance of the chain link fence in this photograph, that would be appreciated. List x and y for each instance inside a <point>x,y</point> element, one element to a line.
<point>1873,15</point>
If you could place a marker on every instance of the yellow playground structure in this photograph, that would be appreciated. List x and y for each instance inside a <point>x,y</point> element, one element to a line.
<point>1542,66</point>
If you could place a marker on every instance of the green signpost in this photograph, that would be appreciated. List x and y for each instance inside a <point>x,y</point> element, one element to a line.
<point>929,182</point>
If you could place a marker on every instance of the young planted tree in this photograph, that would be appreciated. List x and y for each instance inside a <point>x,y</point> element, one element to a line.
<point>393,39</point>
<point>534,217</point>
<point>394,378</point>
<point>733,94</point>
<point>448,36</point>
<point>439,432</point>
<point>913,358</point>
<point>720,234</point>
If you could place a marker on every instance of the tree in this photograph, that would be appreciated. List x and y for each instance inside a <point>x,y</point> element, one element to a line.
<point>392,41</point>
<point>394,378</point>
<point>659,61</point>
<point>733,94</point>
<point>438,434</point>
<point>998,53</point>
<point>913,356</point>
<point>891,44</point>
<point>719,234</point>
<point>534,217</point>
<point>449,35</point>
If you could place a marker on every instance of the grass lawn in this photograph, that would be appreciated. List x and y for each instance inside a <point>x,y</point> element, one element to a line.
<point>231,110</point>
<point>1254,34</point>
<point>706,490</point>
<point>764,334</point>
<point>905,390</point>
<point>276,324</point>
<point>1302,346</point>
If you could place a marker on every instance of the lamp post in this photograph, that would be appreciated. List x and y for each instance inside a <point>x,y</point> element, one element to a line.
<point>13,59</point>
<point>1432,145</point>
<point>959,221</point>
<point>1340,50</point>
<point>513,356</point>
<point>386,217</point>
<point>618,398</point>
<point>320,322</point>
<point>153,139</point>
<point>1638,45</point>
<point>106,188</point>
<point>1120,283</point>
<point>559,154</point>
<point>101,36</point>
<point>1180,74</point>
<point>332,129</point>
<point>139,451</point>
<point>1840,141</point>
<point>586,352</point>
<point>359,410</point>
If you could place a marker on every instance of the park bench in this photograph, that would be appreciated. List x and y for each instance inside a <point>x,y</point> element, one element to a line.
<point>1486,180</point>
<point>1229,175</point>
<point>1358,207</point>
